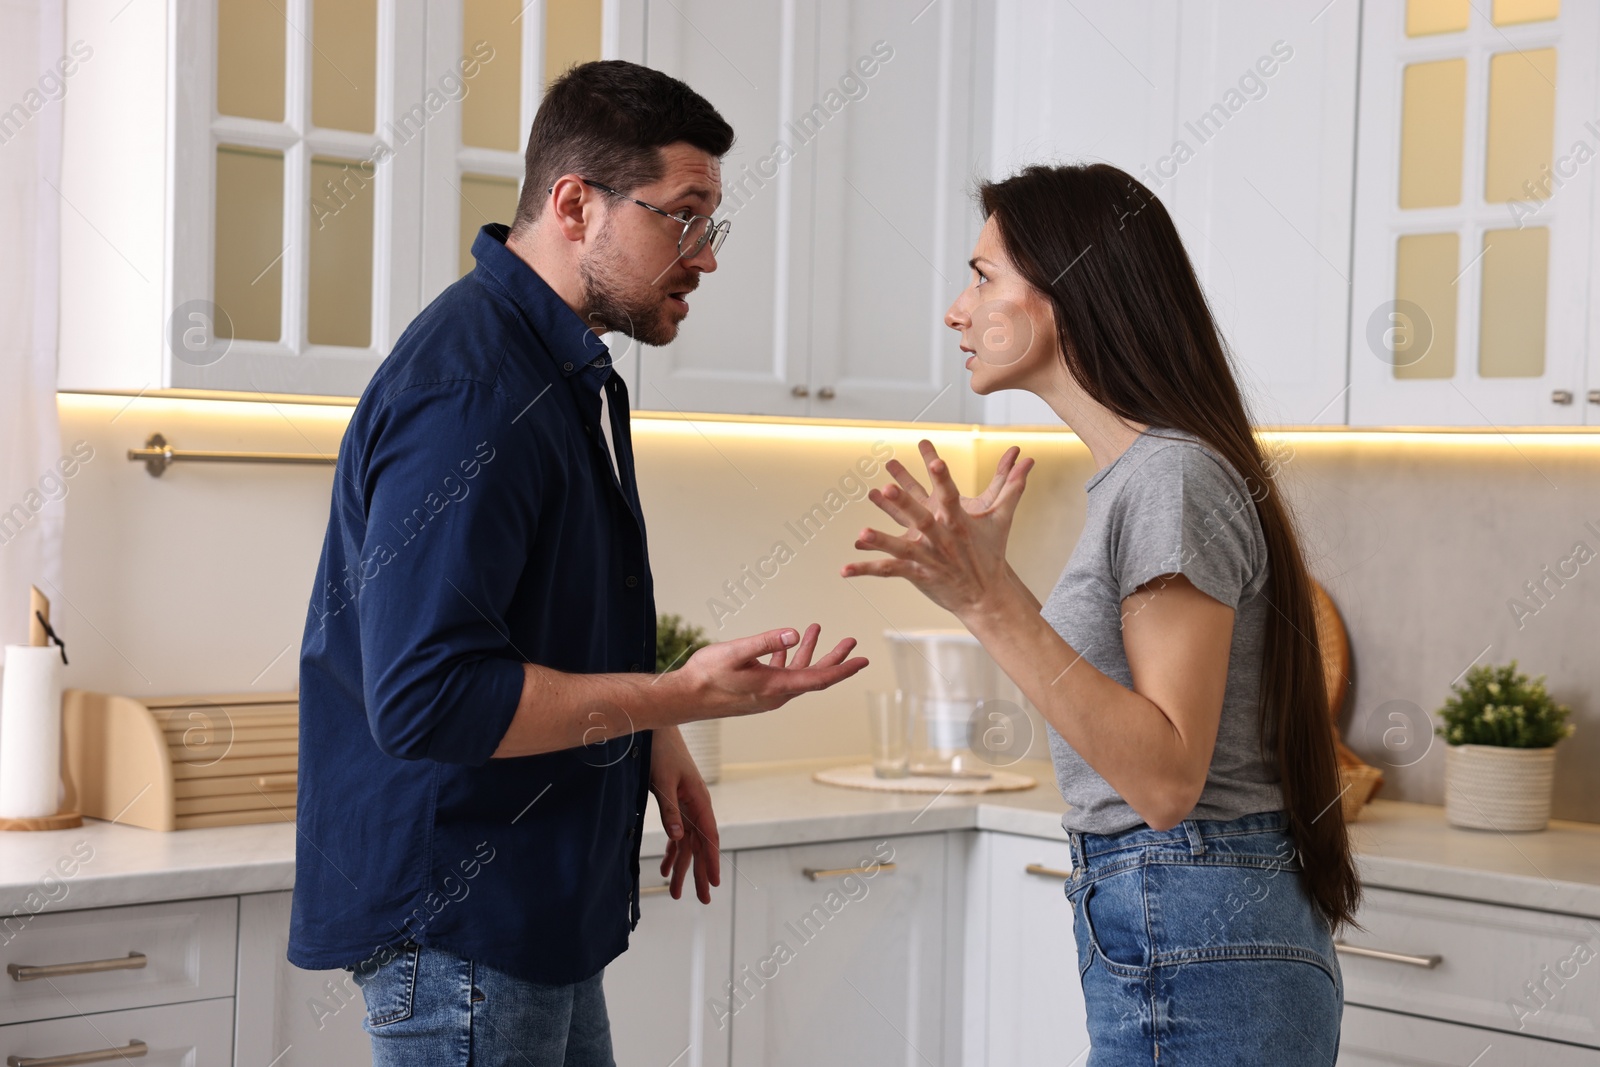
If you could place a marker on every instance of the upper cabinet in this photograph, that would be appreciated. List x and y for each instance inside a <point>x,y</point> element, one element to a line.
<point>858,138</point>
<point>1474,221</point>
<point>1240,116</point>
<point>241,202</point>
<point>262,194</point>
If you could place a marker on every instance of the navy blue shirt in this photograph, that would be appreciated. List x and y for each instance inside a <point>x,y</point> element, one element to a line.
<point>476,525</point>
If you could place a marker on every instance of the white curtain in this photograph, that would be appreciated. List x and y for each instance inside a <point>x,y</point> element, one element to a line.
<point>31,107</point>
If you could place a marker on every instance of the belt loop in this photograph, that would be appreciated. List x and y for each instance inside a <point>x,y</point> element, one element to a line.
<point>1075,843</point>
<point>1197,844</point>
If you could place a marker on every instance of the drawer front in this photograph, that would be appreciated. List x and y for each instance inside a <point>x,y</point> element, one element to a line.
<point>176,1035</point>
<point>1522,972</point>
<point>1371,1038</point>
<point>108,959</point>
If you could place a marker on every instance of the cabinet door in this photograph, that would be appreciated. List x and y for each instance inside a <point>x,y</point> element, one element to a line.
<point>173,1035</point>
<point>1022,957</point>
<point>287,1016</point>
<point>1051,60</point>
<point>660,993</point>
<point>1371,1038</point>
<point>1259,179</point>
<point>838,953</point>
<point>1473,233</point>
<point>744,348</point>
<point>893,221</point>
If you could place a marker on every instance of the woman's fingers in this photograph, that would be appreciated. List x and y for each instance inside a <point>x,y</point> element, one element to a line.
<point>900,507</point>
<point>1010,494</point>
<point>987,498</point>
<point>907,480</point>
<point>807,646</point>
<point>879,568</point>
<point>946,495</point>
<point>898,547</point>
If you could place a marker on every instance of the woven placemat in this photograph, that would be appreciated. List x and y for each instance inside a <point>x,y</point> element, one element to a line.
<point>861,777</point>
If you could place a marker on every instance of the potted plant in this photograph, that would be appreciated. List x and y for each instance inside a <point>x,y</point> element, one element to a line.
<point>1501,730</point>
<point>676,641</point>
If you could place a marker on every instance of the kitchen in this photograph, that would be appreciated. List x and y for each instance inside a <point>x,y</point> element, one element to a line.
<point>236,207</point>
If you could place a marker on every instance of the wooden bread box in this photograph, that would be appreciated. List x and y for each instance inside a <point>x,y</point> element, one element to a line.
<point>177,763</point>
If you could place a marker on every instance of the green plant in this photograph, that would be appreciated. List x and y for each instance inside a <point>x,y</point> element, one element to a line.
<point>1499,706</point>
<point>676,641</point>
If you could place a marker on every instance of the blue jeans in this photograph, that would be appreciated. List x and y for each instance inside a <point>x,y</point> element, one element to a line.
<point>428,1008</point>
<point>1199,945</point>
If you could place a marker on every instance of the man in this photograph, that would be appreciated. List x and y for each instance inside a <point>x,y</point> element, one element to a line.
<point>478,722</point>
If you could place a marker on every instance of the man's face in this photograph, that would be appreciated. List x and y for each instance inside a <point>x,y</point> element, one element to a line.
<point>634,280</point>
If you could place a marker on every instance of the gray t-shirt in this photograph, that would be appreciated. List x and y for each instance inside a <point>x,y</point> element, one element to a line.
<point>1168,505</point>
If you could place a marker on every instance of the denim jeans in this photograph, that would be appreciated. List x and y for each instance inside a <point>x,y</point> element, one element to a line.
<point>1198,946</point>
<point>428,1007</point>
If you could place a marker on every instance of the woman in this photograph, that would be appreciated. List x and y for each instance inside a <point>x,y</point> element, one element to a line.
<point>1175,661</point>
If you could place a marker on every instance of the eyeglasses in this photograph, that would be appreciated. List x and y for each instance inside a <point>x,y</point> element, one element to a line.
<point>698,230</point>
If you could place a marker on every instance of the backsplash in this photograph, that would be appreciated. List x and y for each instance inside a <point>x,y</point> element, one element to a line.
<point>197,582</point>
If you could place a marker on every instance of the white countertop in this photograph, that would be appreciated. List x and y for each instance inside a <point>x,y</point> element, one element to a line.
<point>1399,845</point>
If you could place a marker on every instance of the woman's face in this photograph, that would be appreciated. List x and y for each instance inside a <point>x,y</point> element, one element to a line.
<point>1006,325</point>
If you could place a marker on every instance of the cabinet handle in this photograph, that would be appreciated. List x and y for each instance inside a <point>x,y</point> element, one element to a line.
<point>128,1051</point>
<point>655,890</point>
<point>1428,962</point>
<point>800,391</point>
<point>1594,396</point>
<point>22,972</point>
<point>816,874</point>
<point>1561,396</point>
<point>826,392</point>
<point>278,783</point>
<point>1047,872</point>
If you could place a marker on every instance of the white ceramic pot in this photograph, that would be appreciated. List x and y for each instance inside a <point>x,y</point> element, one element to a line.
<point>1487,787</point>
<point>704,739</point>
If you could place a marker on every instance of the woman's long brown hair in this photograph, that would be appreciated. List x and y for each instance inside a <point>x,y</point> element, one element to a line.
<point>1136,333</point>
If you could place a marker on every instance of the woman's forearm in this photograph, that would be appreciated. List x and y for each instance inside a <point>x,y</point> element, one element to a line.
<point>1127,739</point>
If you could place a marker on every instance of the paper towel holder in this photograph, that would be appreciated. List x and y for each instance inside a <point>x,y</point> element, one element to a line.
<point>40,634</point>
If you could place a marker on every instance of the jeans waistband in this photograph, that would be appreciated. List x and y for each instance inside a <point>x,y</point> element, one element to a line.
<point>1191,834</point>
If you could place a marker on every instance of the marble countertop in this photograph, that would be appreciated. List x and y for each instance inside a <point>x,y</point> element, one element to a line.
<point>1399,845</point>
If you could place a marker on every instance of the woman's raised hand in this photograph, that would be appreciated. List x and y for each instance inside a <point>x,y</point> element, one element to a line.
<point>953,547</point>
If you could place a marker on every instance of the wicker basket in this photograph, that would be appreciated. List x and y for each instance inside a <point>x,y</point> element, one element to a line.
<point>1487,787</point>
<point>1358,782</point>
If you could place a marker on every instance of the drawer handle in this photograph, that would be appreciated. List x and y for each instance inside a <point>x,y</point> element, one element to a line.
<point>277,783</point>
<point>655,890</point>
<point>1429,962</point>
<point>22,972</point>
<point>1047,872</point>
<point>816,874</point>
<point>128,1051</point>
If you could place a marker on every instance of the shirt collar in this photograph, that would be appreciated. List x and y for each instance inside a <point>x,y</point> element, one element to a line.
<point>571,345</point>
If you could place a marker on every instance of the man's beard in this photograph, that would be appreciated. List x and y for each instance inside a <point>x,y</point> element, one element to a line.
<point>613,301</point>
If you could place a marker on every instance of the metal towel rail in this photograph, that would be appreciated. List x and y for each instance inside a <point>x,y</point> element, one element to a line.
<point>158,456</point>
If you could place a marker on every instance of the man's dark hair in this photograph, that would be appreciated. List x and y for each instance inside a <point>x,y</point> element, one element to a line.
<point>608,121</point>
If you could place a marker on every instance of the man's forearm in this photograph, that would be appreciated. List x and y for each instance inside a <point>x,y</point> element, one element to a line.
<point>559,710</point>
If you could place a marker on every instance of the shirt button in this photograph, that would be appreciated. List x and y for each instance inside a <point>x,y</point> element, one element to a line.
<point>633,666</point>
<point>630,581</point>
<point>634,752</point>
<point>566,366</point>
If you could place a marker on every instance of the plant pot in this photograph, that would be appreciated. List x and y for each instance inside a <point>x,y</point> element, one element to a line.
<point>704,740</point>
<point>1487,787</point>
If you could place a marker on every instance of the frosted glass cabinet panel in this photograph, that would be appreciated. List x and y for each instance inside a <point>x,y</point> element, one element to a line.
<point>263,239</point>
<point>1474,223</point>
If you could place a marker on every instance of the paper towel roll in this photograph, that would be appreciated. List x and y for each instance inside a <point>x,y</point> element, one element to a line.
<point>30,732</point>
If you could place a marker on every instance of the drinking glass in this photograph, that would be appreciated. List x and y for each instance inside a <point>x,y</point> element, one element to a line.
<point>889,721</point>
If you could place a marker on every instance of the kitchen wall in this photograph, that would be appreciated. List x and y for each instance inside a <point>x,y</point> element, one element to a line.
<point>197,582</point>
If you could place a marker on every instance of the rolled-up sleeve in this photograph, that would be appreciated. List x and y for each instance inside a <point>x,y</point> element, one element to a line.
<point>452,504</point>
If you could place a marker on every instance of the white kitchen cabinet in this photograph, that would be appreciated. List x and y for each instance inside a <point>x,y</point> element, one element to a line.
<point>173,1035</point>
<point>1474,233</point>
<point>838,953</point>
<point>1023,999</point>
<point>240,211</point>
<point>847,187</point>
<point>1240,117</point>
<point>1369,1038</point>
<point>287,1017</point>
<point>660,993</point>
